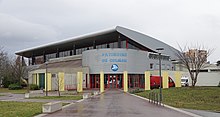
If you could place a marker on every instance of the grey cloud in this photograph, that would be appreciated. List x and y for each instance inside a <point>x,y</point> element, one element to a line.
<point>171,21</point>
<point>16,34</point>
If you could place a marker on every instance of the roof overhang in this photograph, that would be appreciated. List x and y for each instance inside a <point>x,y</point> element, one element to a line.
<point>105,36</point>
<point>67,44</point>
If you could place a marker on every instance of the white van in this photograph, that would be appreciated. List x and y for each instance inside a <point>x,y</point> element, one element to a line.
<point>185,81</point>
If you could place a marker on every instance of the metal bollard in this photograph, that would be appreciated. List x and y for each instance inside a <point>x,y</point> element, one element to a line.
<point>155,98</point>
<point>159,101</point>
<point>152,97</point>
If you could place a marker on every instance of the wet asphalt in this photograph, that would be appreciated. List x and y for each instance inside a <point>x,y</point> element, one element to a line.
<point>115,103</point>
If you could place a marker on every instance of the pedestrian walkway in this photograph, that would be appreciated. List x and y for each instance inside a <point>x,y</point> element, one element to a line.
<point>115,103</point>
<point>20,98</point>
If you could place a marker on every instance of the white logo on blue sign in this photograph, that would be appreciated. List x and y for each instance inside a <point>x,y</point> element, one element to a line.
<point>114,67</point>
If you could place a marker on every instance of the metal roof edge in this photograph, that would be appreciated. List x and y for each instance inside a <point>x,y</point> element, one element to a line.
<point>68,40</point>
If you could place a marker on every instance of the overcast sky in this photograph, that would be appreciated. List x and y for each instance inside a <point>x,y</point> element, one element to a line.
<point>29,23</point>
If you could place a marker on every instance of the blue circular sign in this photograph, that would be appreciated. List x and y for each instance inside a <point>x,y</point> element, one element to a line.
<point>114,67</point>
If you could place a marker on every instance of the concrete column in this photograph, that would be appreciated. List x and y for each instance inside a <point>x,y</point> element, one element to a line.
<point>44,57</point>
<point>147,80</point>
<point>74,49</point>
<point>57,53</point>
<point>79,81</point>
<point>37,78</point>
<point>71,52</point>
<point>94,44</point>
<point>33,59</point>
<point>119,41</point>
<point>125,75</point>
<point>101,82</point>
<point>61,81</point>
<point>165,79</point>
<point>177,79</point>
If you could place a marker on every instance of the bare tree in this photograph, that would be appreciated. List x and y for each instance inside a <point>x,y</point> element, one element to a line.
<point>58,84</point>
<point>5,69</point>
<point>19,70</point>
<point>194,60</point>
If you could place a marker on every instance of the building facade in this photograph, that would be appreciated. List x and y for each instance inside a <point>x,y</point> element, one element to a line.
<point>111,54</point>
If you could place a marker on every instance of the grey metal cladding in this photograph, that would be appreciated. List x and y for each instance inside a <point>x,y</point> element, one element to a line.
<point>147,41</point>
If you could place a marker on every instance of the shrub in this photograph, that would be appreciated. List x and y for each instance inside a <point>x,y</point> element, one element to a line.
<point>14,87</point>
<point>219,84</point>
<point>136,91</point>
<point>6,82</point>
<point>34,87</point>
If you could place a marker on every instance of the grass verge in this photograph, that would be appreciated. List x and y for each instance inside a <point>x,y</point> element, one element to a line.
<point>6,90</point>
<point>199,98</point>
<point>75,97</point>
<point>20,109</point>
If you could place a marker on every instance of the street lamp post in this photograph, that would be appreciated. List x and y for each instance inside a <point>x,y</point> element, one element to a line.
<point>160,73</point>
<point>46,78</point>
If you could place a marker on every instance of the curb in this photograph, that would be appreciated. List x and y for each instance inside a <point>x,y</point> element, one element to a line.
<point>170,107</point>
<point>72,103</point>
<point>43,114</point>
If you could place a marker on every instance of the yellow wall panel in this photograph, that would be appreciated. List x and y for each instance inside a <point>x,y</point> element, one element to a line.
<point>61,81</point>
<point>79,81</point>
<point>125,75</point>
<point>147,80</point>
<point>165,79</point>
<point>37,79</point>
<point>177,79</point>
<point>49,81</point>
<point>101,82</point>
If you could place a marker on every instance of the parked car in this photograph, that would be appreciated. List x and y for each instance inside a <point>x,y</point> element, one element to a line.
<point>185,81</point>
<point>155,82</point>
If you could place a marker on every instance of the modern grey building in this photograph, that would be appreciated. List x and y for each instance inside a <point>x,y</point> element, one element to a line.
<point>111,51</point>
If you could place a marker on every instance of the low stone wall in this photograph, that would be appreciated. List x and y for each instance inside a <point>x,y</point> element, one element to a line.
<point>35,93</point>
<point>51,107</point>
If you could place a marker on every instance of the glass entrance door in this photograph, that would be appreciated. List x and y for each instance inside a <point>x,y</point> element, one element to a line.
<point>113,80</point>
<point>41,80</point>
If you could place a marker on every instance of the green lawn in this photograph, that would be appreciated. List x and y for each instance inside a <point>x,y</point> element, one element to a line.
<point>74,97</point>
<point>20,109</point>
<point>200,98</point>
<point>20,91</point>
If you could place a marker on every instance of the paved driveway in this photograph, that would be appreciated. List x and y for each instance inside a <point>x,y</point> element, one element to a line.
<point>114,103</point>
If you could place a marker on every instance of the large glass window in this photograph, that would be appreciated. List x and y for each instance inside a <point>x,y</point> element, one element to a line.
<point>163,67</point>
<point>65,53</point>
<point>50,56</point>
<point>111,45</point>
<point>123,44</point>
<point>115,44</point>
<point>136,80</point>
<point>104,45</point>
<point>151,66</point>
<point>78,51</point>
